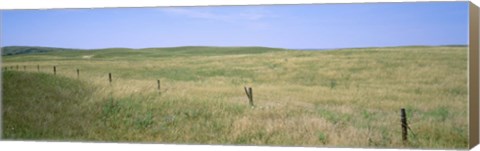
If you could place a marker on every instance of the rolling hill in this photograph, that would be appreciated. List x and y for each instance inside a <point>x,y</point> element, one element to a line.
<point>17,50</point>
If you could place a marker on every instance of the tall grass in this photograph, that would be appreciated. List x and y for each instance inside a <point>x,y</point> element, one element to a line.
<point>341,98</point>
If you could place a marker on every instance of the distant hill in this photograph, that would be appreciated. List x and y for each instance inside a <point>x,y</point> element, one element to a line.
<point>407,46</point>
<point>116,52</point>
<point>163,51</point>
<point>16,50</point>
<point>210,50</point>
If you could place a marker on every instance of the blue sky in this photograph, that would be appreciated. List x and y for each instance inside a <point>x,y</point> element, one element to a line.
<point>282,26</point>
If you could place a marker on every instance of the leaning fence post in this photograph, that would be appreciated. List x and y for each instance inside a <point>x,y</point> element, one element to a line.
<point>54,70</point>
<point>404,125</point>
<point>249,93</point>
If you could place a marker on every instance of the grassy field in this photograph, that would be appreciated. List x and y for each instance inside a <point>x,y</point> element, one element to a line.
<point>338,98</point>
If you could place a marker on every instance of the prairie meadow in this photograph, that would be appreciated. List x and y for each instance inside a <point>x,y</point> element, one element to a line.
<point>195,95</point>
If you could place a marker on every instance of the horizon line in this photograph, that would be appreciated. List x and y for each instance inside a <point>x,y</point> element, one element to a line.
<point>446,45</point>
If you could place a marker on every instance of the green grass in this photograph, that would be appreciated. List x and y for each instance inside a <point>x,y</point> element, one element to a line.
<point>41,106</point>
<point>343,98</point>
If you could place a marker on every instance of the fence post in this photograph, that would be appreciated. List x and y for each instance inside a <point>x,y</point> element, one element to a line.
<point>404,125</point>
<point>158,83</point>
<point>38,67</point>
<point>249,93</point>
<point>54,70</point>
<point>110,78</point>
<point>78,73</point>
<point>251,97</point>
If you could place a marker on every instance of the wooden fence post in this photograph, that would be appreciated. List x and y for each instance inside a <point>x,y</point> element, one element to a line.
<point>404,125</point>
<point>38,67</point>
<point>158,87</point>
<point>249,93</point>
<point>251,97</point>
<point>110,78</point>
<point>78,73</point>
<point>54,70</point>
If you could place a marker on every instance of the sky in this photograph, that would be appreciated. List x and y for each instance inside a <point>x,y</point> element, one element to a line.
<point>319,26</point>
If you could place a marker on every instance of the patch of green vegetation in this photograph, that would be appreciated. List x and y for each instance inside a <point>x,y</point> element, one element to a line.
<point>457,91</point>
<point>251,137</point>
<point>333,117</point>
<point>333,83</point>
<point>322,137</point>
<point>307,78</point>
<point>54,106</point>
<point>180,74</point>
<point>368,115</point>
<point>440,113</point>
<point>213,72</point>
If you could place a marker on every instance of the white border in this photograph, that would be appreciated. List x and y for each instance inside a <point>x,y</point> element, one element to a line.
<point>56,4</point>
<point>61,146</point>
